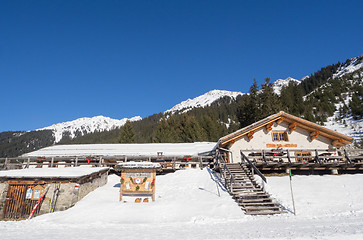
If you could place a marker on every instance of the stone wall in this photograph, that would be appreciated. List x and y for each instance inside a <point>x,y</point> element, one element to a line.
<point>3,193</point>
<point>71,193</point>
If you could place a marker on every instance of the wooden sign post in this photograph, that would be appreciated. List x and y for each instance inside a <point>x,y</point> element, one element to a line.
<point>138,179</point>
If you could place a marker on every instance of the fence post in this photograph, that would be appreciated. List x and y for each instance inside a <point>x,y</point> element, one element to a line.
<point>100,162</point>
<point>346,156</point>
<point>76,163</point>
<point>288,155</point>
<point>263,156</point>
<point>5,163</point>
<point>52,162</point>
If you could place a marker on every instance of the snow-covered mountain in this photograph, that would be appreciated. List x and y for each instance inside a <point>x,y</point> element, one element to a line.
<point>86,125</point>
<point>349,66</point>
<point>280,83</point>
<point>202,101</point>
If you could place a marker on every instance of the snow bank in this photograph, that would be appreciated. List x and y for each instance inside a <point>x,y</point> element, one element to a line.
<point>191,205</point>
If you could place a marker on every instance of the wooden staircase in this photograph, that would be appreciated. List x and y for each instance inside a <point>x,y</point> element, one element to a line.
<point>242,185</point>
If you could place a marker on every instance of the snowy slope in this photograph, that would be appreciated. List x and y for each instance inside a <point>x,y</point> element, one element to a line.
<point>347,126</point>
<point>190,204</point>
<point>349,66</point>
<point>86,125</point>
<point>280,83</point>
<point>203,100</point>
<point>208,98</point>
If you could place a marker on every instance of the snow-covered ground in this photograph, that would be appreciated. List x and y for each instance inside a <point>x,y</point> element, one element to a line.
<point>191,205</point>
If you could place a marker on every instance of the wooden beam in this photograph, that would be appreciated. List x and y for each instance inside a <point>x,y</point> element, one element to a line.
<point>292,127</point>
<point>314,135</point>
<point>337,142</point>
<point>250,135</point>
<point>268,127</point>
<point>280,120</point>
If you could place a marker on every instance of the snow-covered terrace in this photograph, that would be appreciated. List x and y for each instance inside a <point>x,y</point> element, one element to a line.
<point>129,150</point>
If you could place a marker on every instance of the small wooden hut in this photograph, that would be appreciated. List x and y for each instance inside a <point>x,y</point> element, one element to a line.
<point>138,179</point>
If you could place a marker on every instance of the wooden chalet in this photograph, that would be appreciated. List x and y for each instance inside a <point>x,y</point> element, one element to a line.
<point>280,132</point>
<point>276,143</point>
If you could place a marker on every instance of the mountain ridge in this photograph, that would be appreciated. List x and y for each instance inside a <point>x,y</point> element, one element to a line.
<point>85,125</point>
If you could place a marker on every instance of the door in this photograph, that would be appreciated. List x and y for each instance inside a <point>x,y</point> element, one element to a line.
<point>17,204</point>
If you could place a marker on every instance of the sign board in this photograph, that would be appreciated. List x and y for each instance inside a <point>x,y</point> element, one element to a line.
<point>138,182</point>
<point>37,192</point>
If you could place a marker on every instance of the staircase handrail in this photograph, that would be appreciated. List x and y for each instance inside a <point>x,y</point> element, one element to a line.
<point>244,158</point>
<point>225,167</point>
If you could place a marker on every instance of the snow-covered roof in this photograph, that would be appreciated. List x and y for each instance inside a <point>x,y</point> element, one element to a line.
<point>131,150</point>
<point>74,172</point>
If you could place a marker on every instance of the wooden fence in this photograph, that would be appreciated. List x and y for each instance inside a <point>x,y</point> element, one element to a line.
<point>98,161</point>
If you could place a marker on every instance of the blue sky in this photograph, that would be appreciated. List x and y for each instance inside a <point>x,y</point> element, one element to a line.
<point>62,60</point>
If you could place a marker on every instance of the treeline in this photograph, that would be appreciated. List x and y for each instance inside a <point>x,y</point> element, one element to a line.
<point>13,144</point>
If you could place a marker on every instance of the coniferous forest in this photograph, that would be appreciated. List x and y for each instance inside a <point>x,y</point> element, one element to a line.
<point>314,100</point>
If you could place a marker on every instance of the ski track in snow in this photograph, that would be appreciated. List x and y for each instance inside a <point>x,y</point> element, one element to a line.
<point>188,206</point>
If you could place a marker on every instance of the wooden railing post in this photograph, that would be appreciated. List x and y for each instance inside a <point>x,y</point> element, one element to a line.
<point>264,156</point>
<point>288,155</point>
<point>317,156</point>
<point>5,163</point>
<point>347,156</point>
<point>253,166</point>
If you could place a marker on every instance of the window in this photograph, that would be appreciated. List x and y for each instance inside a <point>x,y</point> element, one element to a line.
<point>280,136</point>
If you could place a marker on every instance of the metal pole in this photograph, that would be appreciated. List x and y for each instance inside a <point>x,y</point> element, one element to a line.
<point>292,193</point>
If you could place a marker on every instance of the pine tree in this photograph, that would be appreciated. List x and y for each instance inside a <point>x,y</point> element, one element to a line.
<point>248,106</point>
<point>269,100</point>
<point>166,131</point>
<point>127,133</point>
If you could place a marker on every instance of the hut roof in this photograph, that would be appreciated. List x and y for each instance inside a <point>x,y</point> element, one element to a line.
<point>338,138</point>
<point>134,150</point>
<point>51,173</point>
